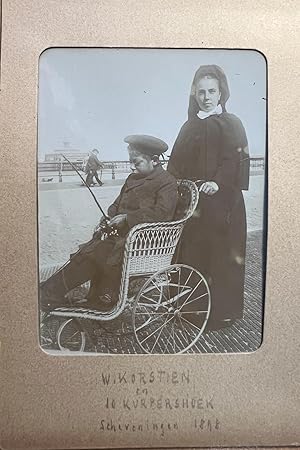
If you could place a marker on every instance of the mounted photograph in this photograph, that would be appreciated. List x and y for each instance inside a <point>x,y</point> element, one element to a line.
<point>152,200</point>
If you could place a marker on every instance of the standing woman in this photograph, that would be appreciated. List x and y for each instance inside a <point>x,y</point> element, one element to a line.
<point>212,146</point>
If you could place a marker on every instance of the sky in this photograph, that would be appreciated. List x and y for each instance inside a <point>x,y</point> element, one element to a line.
<point>94,98</point>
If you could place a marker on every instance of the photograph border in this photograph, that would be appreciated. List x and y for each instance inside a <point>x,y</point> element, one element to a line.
<point>253,395</point>
<point>196,52</point>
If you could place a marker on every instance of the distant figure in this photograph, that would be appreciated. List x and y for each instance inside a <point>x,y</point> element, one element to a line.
<point>93,164</point>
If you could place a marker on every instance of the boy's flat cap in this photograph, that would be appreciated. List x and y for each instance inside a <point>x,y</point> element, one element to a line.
<point>149,145</point>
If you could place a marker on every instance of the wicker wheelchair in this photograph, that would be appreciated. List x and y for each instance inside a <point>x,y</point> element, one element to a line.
<point>171,306</point>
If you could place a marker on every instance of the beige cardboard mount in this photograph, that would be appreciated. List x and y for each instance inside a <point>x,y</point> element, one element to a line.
<point>61,402</point>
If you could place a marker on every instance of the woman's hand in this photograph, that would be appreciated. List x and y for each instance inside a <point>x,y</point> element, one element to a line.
<point>118,221</point>
<point>209,187</point>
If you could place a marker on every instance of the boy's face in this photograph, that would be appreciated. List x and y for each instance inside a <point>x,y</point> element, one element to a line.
<point>140,164</point>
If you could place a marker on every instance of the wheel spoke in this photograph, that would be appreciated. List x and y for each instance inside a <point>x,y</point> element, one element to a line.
<point>179,278</point>
<point>160,290</point>
<point>189,277</point>
<point>156,305</point>
<point>162,326</point>
<point>144,314</point>
<point>170,335</point>
<point>168,285</point>
<point>185,302</point>
<point>181,285</point>
<point>193,300</point>
<point>71,337</point>
<point>149,321</point>
<point>174,342</point>
<point>159,334</point>
<point>184,330</point>
<point>156,286</point>
<point>152,313</point>
<point>175,298</point>
<point>190,323</point>
<point>149,289</point>
<point>152,300</point>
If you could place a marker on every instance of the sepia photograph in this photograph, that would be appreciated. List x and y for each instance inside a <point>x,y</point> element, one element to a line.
<point>151,200</point>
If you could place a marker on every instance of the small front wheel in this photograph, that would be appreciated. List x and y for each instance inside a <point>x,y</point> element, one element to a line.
<point>71,337</point>
<point>171,310</point>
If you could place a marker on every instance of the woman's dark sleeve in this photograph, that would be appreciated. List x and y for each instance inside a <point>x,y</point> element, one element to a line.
<point>234,165</point>
<point>177,159</point>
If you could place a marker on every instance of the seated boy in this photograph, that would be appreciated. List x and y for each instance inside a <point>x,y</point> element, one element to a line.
<point>148,195</point>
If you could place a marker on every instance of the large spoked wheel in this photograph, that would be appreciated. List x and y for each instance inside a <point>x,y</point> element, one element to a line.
<point>71,337</point>
<point>171,310</point>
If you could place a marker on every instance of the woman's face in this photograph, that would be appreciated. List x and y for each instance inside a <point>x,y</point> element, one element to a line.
<point>207,93</point>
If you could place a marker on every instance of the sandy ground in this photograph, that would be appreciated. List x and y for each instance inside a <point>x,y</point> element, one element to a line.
<point>68,214</point>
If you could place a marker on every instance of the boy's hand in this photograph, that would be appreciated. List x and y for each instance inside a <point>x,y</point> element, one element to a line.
<point>104,220</point>
<point>101,224</point>
<point>118,221</point>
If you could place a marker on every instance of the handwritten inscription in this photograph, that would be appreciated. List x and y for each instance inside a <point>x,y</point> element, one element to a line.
<point>159,403</point>
<point>143,378</point>
<point>132,427</point>
<point>145,398</point>
<point>204,424</point>
<point>201,424</point>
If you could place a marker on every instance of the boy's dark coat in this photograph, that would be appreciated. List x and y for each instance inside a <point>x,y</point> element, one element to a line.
<point>148,199</point>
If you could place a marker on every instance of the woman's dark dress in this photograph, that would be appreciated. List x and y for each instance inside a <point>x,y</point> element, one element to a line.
<point>214,240</point>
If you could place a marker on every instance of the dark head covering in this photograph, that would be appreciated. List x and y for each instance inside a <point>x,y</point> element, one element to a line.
<point>214,72</point>
<point>95,150</point>
<point>148,145</point>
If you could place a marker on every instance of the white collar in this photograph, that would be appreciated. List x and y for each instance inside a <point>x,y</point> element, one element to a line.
<point>203,114</point>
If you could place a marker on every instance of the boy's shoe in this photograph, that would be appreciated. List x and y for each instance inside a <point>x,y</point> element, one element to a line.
<point>107,301</point>
<point>104,302</point>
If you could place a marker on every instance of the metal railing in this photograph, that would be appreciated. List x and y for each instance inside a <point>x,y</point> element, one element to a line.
<point>63,168</point>
<point>257,163</point>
